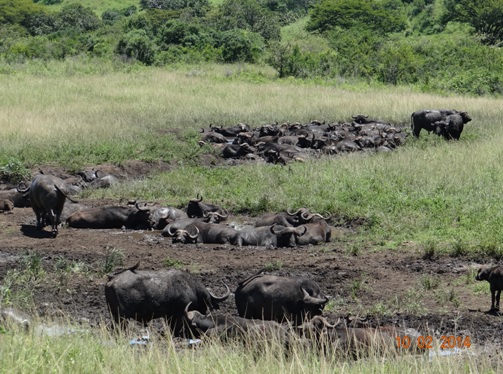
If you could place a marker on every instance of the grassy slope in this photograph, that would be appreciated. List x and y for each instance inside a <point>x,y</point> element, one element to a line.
<point>442,194</point>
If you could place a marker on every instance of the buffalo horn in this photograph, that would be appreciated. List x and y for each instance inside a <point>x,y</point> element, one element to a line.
<point>139,207</point>
<point>20,189</point>
<point>293,214</point>
<point>195,235</point>
<point>221,298</point>
<point>311,299</point>
<point>169,231</point>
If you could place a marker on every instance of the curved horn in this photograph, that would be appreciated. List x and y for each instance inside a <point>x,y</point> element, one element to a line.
<point>198,198</point>
<point>293,214</point>
<point>311,299</point>
<point>307,216</point>
<point>205,213</point>
<point>189,315</point>
<point>22,190</point>
<point>202,130</point>
<point>303,232</point>
<point>273,230</point>
<point>225,215</point>
<point>137,205</point>
<point>221,298</point>
<point>169,231</point>
<point>195,235</point>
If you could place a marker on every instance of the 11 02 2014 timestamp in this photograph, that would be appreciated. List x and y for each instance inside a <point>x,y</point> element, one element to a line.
<point>427,342</point>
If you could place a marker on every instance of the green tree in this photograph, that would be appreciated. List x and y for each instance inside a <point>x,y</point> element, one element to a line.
<point>78,17</point>
<point>137,44</point>
<point>248,15</point>
<point>240,45</point>
<point>486,17</point>
<point>384,16</point>
<point>17,11</point>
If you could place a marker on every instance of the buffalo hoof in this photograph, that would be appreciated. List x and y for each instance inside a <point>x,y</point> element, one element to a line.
<point>54,233</point>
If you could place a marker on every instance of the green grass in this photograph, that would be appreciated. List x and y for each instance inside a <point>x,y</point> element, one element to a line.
<point>100,352</point>
<point>443,195</point>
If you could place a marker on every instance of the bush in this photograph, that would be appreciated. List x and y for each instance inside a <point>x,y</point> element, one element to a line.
<point>136,44</point>
<point>240,46</point>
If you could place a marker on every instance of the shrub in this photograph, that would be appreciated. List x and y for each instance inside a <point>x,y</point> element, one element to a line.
<point>136,44</point>
<point>240,46</point>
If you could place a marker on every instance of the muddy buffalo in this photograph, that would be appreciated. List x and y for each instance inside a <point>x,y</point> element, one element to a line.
<point>48,194</point>
<point>278,298</point>
<point>144,295</point>
<point>131,216</point>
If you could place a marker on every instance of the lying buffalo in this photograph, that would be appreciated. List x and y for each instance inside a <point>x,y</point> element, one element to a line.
<point>278,298</point>
<point>18,199</point>
<point>47,196</point>
<point>196,208</point>
<point>358,341</point>
<point>160,217</point>
<point>249,331</point>
<point>131,216</point>
<point>144,295</point>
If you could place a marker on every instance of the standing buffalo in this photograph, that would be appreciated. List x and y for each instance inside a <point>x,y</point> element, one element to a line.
<point>452,126</point>
<point>144,295</point>
<point>426,118</point>
<point>272,297</point>
<point>47,196</point>
<point>494,275</point>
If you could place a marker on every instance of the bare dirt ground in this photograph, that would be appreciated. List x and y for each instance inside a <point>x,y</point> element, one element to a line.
<point>437,295</point>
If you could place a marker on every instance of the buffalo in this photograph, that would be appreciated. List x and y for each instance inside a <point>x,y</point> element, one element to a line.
<point>229,328</point>
<point>452,126</point>
<point>278,298</point>
<point>144,295</point>
<point>18,199</point>
<point>357,341</point>
<point>160,217</point>
<point>494,275</point>
<point>196,208</point>
<point>48,194</point>
<point>426,118</point>
<point>131,216</point>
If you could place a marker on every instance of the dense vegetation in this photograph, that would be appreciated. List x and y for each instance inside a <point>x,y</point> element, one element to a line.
<point>449,46</point>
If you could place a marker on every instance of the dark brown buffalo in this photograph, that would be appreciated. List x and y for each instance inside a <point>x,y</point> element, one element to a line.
<point>196,208</point>
<point>144,295</point>
<point>357,341</point>
<point>278,298</point>
<point>160,217</point>
<point>426,118</point>
<point>452,126</point>
<point>316,233</point>
<point>210,233</point>
<point>18,199</point>
<point>299,217</point>
<point>227,327</point>
<point>131,216</point>
<point>47,196</point>
<point>494,275</point>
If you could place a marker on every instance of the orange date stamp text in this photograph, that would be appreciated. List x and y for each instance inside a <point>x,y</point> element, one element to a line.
<point>427,342</point>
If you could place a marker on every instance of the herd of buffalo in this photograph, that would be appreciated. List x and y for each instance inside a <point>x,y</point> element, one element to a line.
<point>266,304</point>
<point>294,141</point>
